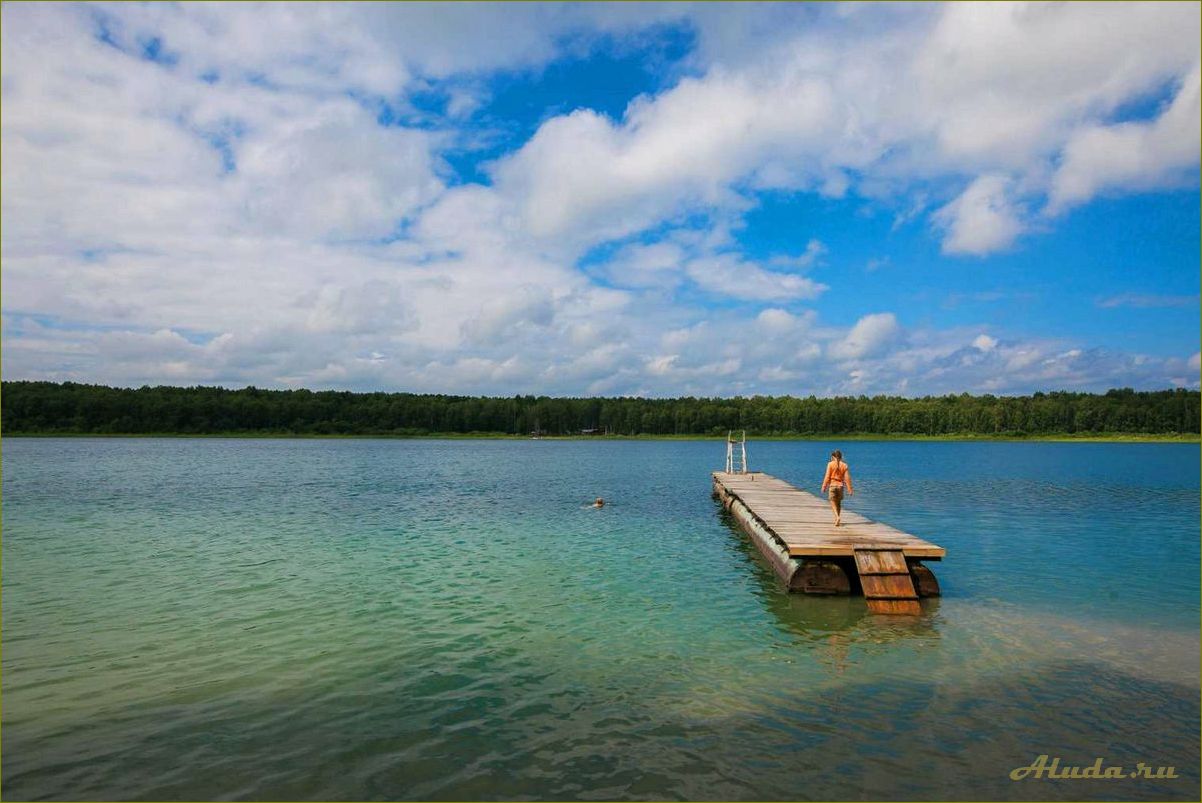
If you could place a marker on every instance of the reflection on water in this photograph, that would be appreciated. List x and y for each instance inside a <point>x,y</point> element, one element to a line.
<point>831,627</point>
<point>318,620</point>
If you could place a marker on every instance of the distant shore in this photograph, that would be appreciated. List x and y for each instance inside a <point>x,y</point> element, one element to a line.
<point>1115,437</point>
<point>1119,414</point>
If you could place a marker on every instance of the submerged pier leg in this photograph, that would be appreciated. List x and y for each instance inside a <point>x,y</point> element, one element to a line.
<point>822,577</point>
<point>924,580</point>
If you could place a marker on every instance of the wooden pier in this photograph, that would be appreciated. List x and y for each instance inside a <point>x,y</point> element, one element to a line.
<point>795,531</point>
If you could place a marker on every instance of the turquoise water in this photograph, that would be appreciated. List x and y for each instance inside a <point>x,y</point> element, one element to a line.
<point>381,619</point>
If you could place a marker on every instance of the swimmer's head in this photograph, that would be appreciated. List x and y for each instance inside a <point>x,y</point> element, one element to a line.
<point>599,502</point>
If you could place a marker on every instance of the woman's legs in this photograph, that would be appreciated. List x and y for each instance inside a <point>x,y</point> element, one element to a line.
<point>837,503</point>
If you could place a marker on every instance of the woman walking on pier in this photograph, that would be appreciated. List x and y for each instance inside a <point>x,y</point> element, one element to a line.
<point>837,475</point>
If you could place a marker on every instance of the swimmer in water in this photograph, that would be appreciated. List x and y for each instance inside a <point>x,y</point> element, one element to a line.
<point>599,502</point>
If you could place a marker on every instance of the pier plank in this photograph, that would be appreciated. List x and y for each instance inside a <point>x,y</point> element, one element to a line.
<point>880,562</point>
<point>801,521</point>
<point>888,586</point>
<point>906,607</point>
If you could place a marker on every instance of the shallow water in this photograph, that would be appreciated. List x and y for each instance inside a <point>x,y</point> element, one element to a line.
<point>383,619</point>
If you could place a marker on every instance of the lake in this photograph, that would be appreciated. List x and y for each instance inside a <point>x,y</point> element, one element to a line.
<point>417,619</point>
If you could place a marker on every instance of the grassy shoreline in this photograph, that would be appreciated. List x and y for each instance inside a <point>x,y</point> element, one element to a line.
<point>1115,437</point>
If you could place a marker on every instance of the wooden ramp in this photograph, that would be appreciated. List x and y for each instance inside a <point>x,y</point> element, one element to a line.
<point>795,531</point>
<point>885,578</point>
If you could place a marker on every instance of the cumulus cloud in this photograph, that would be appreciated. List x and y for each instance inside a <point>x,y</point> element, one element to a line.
<point>658,264</point>
<point>255,194</point>
<point>776,321</point>
<point>1007,82</point>
<point>376,48</point>
<point>981,219</point>
<point>1138,155</point>
<point>985,92</point>
<point>585,176</point>
<point>335,175</point>
<point>527,307</point>
<point>984,342</point>
<point>870,336</point>
<point>731,276</point>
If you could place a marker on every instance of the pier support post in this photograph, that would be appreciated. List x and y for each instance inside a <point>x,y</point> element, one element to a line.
<point>924,580</point>
<point>821,577</point>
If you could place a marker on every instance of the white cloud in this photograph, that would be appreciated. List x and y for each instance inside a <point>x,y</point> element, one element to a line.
<point>808,353</point>
<point>655,265</point>
<point>869,337</point>
<point>813,253</point>
<point>1146,300</point>
<point>462,102</point>
<point>721,356</point>
<point>986,92</point>
<point>527,307</point>
<point>235,212</point>
<point>1132,155</point>
<point>336,174</point>
<point>105,151</point>
<point>730,276</point>
<point>376,48</point>
<point>778,321</point>
<point>984,342</point>
<point>587,178</point>
<point>982,219</point>
<point>1004,83</point>
<point>361,309</point>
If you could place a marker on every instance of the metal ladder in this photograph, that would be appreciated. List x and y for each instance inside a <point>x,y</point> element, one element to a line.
<point>736,461</point>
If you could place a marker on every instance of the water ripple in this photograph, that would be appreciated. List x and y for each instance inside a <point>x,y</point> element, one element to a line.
<point>319,620</point>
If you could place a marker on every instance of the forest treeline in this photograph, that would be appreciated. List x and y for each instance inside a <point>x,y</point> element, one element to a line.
<point>70,408</point>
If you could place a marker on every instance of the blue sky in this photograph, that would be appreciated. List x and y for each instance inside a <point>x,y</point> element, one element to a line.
<point>603,199</point>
